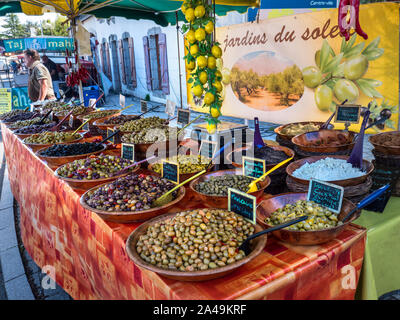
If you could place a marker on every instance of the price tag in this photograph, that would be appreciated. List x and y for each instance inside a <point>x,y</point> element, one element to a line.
<point>128,151</point>
<point>326,194</point>
<point>170,108</point>
<point>208,148</point>
<point>122,100</point>
<point>252,167</point>
<point>242,204</point>
<point>143,106</point>
<point>86,126</point>
<point>71,121</point>
<point>51,118</point>
<point>109,133</point>
<point>183,116</point>
<point>170,171</point>
<point>347,113</point>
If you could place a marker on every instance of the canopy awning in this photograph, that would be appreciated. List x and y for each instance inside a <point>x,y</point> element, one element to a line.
<point>160,11</point>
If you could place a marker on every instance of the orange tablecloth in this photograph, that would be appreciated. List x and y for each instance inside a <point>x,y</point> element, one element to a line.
<point>90,260</point>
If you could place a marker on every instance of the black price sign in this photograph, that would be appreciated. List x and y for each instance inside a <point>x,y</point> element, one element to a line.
<point>347,113</point>
<point>128,151</point>
<point>252,167</point>
<point>143,106</point>
<point>109,133</point>
<point>170,171</point>
<point>208,148</point>
<point>326,194</point>
<point>183,116</point>
<point>243,204</point>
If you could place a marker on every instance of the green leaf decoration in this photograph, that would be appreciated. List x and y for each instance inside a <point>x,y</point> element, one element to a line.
<point>390,124</point>
<point>331,83</point>
<point>373,45</point>
<point>373,82</point>
<point>339,71</point>
<point>332,64</point>
<point>374,54</point>
<point>325,51</point>
<point>368,89</point>
<point>355,50</point>
<point>343,45</point>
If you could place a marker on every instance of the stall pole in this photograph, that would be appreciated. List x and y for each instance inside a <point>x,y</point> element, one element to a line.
<point>77,63</point>
<point>179,59</point>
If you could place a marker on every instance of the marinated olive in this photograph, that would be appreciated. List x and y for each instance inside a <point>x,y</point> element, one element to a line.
<point>187,163</point>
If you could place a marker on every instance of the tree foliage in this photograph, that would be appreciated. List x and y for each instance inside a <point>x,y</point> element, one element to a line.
<point>285,83</point>
<point>13,28</point>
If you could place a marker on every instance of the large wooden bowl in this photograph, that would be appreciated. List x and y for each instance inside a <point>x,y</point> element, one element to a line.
<point>61,115</point>
<point>288,137</point>
<point>237,154</point>
<point>222,201</point>
<point>35,147</point>
<point>304,141</point>
<point>132,216</point>
<point>88,184</point>
<point>59,161</point>
<point>257,246</point>
<point>104,126</point>
<point>22,136</point>
<point>367,166</point>
<point>314,237</point>
<point>390,150</point>
<point>82,116</point>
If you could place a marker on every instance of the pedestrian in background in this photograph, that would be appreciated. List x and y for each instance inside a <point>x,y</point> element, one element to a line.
<point>52,67</point>
<point>40,86</point>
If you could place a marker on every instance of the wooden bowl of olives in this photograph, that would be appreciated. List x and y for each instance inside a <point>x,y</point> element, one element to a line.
<point>36,146</point>
<point>287,131</point>
<point>211,188</point>
<point>268,208</point>
<point>207,270</point>
<point>386,142</point>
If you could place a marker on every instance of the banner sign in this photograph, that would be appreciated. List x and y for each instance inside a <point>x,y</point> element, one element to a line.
<point>297,4</point>
<point>50,44</point>
<point>297,68</point>
<point>20,98</point>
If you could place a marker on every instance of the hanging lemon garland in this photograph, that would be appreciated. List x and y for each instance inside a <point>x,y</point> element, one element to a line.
<point>203,56</point>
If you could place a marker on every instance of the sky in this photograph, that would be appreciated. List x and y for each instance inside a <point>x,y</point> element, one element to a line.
<point>23,18</point>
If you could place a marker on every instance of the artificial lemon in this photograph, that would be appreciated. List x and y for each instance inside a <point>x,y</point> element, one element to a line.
<point>215,113</point>
<point>200,34</point>
<point>184,7</point>
<point>218,86</point>
<point>219,64</point>
<point>189,15</point>
<point>197,90</point>
<point>209,98</point>
<point>200,11</point>
<point>190,36</point>
<point>211,128</point>
<point>203,77</point>
<point>194,50</point>
<point>201,61</point>
<point>226,76</point>
<point>218,75</point>
<point>212,62</point>
<point>209,27</point>
<point>216,51</point>
<point>190,65</point>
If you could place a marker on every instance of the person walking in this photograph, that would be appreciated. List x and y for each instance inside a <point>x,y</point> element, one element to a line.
<point>40,86</point>
<point>52,67</point>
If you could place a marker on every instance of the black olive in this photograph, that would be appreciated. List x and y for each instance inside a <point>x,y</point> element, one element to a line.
<point>363,111</point>
<point>386,113</point>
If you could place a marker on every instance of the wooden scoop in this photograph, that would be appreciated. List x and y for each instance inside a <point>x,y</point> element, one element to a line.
<point>253,185</point>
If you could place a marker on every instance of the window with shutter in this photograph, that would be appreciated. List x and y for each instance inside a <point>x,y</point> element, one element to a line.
<point>147,61</point>
<point>108,59</point>
<point>133,64</point>
<point>162,44</point>
<point>155,62</point>
<point>103,59</point>
<point>127,61</point>
<point>121,61</point>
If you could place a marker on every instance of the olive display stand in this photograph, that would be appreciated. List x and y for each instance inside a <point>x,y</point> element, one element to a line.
<point>352,193</point>
<point>303,154</point>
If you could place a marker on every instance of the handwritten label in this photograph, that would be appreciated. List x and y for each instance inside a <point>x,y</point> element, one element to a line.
<point>347,113</point>
<point>243,204</point>
<point>170,171</point>
<point>208,148</point>
<point>252,167</point>
<point>122,100</point>
<point>326,194</point>
<point>143,106</point>
<point>128,151</point>
<point>109,133</point>
<point>183,116</point>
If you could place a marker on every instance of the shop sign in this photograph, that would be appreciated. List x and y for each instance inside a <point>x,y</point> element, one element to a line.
<point>20,98</point>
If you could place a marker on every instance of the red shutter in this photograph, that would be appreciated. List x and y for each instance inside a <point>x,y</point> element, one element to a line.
<point>108,61</point>
<point>162,44</point>
<point>133,66</point>
<point>121,61</point>
<point>147,61</point>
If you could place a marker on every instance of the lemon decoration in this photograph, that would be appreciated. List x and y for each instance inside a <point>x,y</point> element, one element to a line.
<point>201,61</point>
<point>190,65</point>
<point>209,98</point>
<point>218,86</point>
<point>194,50</point>
<point>189,15</point>
<point>216,51</point>
<point>218,74</point>
<point>209,27</point>
<point>212,62</point>
<point>203,77</point>
<point>199,12</point>
<point>215,113</point>
<point>190,36</point>
<point>211,128</point>
<point>200,34</point>
<point>197,91</point>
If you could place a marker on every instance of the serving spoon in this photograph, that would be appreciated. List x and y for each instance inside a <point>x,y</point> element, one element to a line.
<point>245,246</point>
